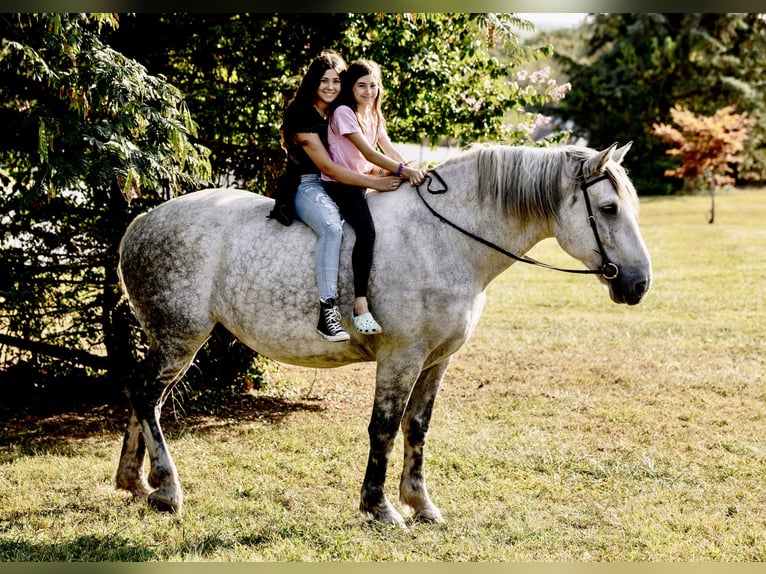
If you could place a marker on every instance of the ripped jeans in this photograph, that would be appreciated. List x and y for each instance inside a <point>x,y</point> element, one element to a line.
<point>317,210</point>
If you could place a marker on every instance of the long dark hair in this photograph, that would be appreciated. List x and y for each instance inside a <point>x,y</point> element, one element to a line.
<point>348,78</point>
<point>306,94</point>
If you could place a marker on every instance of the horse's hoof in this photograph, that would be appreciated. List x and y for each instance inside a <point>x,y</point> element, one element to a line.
<point>431,515</point>
<point>384,514</point>
<point>421,509</point>
<point>139,491</point>
<point>163,504</point>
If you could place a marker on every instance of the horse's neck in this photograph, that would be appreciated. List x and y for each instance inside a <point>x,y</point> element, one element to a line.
<point>461,205</point>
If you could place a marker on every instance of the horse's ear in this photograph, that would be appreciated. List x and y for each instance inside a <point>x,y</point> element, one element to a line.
<point>619,153</point>
<point>597,163</point>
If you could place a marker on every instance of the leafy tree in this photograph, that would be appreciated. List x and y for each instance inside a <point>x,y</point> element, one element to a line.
<point>85,130</point>
<point>445,75</point>
<point>236,71</point>
<point>99,127</point>
<point>461,89</point>
<point>707,146</point>
<point>637,66</point>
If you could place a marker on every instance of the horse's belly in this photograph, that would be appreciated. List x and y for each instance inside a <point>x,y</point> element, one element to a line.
<point>304,347</point>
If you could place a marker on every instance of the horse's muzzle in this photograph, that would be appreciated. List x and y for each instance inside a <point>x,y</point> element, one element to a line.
<point>629,287</point>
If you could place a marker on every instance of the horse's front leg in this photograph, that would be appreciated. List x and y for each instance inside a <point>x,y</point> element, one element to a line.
<point>413,493</point>
<point>394,380</point>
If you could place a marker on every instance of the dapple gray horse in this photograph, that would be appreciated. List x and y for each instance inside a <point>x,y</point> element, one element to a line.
<point>213,257</point>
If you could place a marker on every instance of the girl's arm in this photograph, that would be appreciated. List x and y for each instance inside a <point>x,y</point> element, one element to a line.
<point>415,176</point>
<point>318,153</point>
<point>388,148</point>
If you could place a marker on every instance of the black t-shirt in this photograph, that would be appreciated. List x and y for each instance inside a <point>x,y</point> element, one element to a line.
<point>307,120</point>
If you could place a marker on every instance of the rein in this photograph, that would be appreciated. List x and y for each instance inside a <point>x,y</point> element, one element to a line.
<point>608,269</point>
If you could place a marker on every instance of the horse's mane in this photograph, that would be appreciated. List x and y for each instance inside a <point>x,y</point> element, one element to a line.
<point>525,181</point>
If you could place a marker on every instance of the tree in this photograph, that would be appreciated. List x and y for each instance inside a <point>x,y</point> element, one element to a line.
<point>445,76</point>
<point>707,146</point>
<point>105,120</point>
<point>637,66</point>
<point>86,130</point>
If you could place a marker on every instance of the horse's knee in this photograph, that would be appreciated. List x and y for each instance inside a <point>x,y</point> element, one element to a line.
<point>382,434</point>
<point>144,387</point>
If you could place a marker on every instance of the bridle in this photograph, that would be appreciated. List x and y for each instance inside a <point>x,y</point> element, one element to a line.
<point>607,269</point>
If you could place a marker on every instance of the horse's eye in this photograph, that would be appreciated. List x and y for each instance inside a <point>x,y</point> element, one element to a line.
<point>609,209</point>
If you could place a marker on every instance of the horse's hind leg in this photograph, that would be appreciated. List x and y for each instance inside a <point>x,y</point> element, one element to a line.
<point>147,393</point>
<point>413,493</point>
<point>130,470</point>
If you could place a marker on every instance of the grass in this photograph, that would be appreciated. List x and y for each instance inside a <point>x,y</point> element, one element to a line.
<point>567,429</point>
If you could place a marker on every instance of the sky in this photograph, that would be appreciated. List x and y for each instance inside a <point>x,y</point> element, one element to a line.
<point>545,21</point>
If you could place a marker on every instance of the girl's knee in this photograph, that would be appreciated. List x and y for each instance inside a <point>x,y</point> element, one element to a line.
<point>367,235</point>
<point>334,229</point>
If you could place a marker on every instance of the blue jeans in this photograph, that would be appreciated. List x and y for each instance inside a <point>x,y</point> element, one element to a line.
<point>315,208</point>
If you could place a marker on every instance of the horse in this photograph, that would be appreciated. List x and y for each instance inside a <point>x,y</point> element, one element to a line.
<point>213,257</point>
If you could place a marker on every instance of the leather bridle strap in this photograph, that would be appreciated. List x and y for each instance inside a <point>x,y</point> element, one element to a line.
<point>608,270</point>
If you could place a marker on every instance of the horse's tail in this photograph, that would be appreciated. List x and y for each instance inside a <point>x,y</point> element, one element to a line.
<point>120,250</point>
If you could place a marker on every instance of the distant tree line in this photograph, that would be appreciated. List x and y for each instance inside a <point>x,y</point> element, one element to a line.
<point>629,70</point>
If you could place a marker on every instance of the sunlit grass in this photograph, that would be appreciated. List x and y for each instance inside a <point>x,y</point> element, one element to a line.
<point>567,429</point>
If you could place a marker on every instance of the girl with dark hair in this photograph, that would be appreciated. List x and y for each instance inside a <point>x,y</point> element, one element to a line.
<point>304,137</point>
<point>357,127</point>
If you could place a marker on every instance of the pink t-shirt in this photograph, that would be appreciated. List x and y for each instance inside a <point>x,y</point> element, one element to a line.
<point>342,149</point>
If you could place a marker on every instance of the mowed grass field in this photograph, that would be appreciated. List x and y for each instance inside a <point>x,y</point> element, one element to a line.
<point>567,429</point>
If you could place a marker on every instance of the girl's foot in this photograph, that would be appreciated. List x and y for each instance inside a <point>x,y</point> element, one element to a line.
<point>366,324</point>
<point>329,322</point>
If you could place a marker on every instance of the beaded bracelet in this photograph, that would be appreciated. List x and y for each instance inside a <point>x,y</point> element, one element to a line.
<point>400,170</point>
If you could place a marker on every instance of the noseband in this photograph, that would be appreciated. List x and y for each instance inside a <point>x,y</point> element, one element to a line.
<point>608,269</point>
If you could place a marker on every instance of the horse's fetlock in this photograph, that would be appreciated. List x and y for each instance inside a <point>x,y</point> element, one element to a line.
<point>159,476</point>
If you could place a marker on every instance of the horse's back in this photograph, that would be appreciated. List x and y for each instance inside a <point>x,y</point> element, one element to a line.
<point>213,256</point>
<point>186,233</point>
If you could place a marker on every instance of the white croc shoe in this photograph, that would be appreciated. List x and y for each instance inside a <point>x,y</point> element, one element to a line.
<point>366,324</point>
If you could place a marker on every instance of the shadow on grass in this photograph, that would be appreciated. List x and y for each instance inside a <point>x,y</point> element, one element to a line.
<point>115,549</point>
<point>43,419</point>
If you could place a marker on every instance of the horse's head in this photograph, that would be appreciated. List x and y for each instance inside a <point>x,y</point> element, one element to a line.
<point>598,178</point>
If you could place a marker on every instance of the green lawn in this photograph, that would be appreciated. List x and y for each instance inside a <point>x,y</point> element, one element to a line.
<point>568,429</point>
